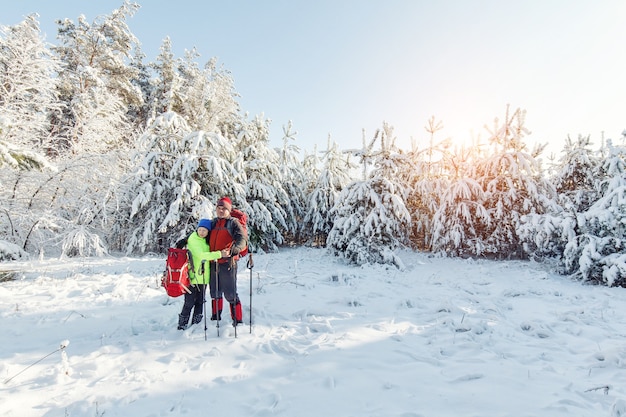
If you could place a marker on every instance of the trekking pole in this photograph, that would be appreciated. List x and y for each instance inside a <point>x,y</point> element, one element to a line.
<point>204,299</point>
<point>233,307</point>
<point>250,266</point>
<point>217,294</point>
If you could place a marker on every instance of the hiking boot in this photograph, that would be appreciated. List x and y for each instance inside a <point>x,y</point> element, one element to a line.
<point>182,322</point>
<point>216,316</point>
<point>197,318</point>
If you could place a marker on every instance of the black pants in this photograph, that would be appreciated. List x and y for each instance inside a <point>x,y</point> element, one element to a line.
<point>194,301</point>
<point>226,282</point>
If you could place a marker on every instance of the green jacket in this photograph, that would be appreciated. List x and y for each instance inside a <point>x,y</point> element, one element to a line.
<point>200,251</point>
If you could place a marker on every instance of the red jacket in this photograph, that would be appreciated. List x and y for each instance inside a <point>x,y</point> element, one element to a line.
<point>227,233</point>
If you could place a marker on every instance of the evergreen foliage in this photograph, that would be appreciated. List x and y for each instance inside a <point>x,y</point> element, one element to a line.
<point>514,186</point>
<point>295,182</point>
<point>177,174</point>
<point>370,219</point>
<point>27,92</point>
<point>261,178</point>
<point>101,151</point>
<point>428,181</point>
<point>332,179</point>
<point>597,251</point>
<point>95,83</point>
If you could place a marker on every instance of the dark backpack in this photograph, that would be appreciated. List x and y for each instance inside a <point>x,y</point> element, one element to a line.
<point>243,219</point>
<point>176,276</point>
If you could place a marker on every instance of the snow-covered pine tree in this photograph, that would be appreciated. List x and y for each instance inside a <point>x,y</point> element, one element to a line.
<point>578,175</point>
<point>139,114</point>
<point>166,93</point>
<point>598,252</point>
<point>295,184</point>
<point>460,215</point>
<point>514,186</point>
<point>95,83</point>
<point>265,195</point>
<point>50,209</point>
<point>209,95</point>
<point>577,179</point>
<point>334,176</point>
<point>28,92</point>
<point>371,220</point>
<point>179,174</point>
<point>427,180</point>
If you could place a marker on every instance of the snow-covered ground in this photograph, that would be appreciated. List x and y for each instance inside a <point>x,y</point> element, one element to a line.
<point>446,337</point>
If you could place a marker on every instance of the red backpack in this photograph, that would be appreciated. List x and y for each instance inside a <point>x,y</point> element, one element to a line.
<point>243,219</point>
<point>176,276</point>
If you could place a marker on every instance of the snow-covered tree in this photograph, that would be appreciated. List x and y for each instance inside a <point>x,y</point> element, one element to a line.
<point>597,252</point>
<point>61,210</point>
<point>514,186</point>
<point>27,87</point>
<point>371,220</point>
<point>139,114</point>
<point>578,175</point>
<point>460,214</point>
<point>428,179</point>
<point>265,195</point>
<point>295,184</point>
<point>96,83</point>
<point>15,164</point>
<point>334,176</point>
<point>577,179</point>
<point>166,93</point>
<point>179,175</point>
<point>209,96</point>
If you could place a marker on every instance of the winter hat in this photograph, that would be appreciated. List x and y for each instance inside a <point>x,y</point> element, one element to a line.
<point>225,201</point>
<point>206,223</point>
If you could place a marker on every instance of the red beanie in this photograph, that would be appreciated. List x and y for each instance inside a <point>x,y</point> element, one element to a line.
<point>225,201</point>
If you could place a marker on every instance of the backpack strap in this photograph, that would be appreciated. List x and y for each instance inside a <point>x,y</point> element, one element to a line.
<point>236,230</point>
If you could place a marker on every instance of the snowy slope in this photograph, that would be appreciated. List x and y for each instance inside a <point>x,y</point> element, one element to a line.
<point>446,337</point>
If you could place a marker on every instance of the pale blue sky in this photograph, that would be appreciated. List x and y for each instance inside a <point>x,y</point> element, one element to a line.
<point>339,66</point>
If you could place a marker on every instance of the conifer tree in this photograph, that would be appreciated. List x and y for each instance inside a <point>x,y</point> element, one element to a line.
<point>577,179</point>
<point>27,90</point>
<point>514,186</point>
<point>428,180</point>
<point>258,168</point>
<point>294,183</point>
<point>166,93</point>
<point>139,114</point>
<point>178,176</point>
<point>597,252</point>
<point>371,220</point>
<point>334,176</point>
<point>95,83</point>
<point>461,215</point>
<point>209,95</point>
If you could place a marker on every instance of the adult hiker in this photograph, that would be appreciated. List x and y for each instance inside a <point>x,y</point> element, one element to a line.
<point>199,266</point>
<point>227,233</point>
